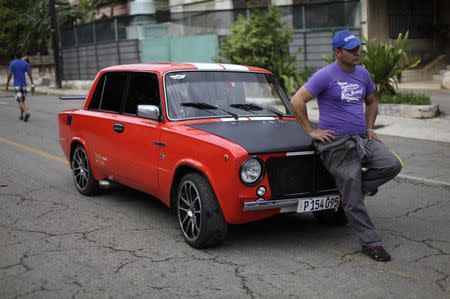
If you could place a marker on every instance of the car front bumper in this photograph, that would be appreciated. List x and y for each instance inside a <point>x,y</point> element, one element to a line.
<point>285,205</point>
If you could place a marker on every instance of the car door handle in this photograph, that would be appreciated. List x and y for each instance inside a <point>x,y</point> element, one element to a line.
<point>118,127</point>
<point>159,144</point>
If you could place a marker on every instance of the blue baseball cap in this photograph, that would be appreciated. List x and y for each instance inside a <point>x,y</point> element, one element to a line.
<point>345,39</point>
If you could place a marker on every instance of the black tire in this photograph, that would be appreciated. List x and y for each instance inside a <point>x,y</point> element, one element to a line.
<point>199,214</point>
<point>332,217</point>
<point>82,173</point>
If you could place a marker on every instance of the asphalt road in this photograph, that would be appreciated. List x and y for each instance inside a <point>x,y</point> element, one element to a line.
<point>55,243</point>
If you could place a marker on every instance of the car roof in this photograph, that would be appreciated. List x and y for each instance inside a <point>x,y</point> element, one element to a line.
<point>164,67</point>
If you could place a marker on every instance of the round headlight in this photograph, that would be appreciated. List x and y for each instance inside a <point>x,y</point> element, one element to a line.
<point>251,171</point>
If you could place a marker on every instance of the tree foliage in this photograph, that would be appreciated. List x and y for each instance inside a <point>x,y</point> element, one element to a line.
<point>26,23</point>
<point>386,62</point>
<point>262,40</point>
<point>13,28</point>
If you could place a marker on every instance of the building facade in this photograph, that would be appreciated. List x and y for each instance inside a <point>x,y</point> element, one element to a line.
<point>191,30</point>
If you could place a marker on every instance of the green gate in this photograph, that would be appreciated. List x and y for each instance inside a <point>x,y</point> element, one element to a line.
<point>194,48</point>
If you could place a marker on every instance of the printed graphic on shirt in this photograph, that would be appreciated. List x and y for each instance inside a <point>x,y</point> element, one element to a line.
<point>350,91</point>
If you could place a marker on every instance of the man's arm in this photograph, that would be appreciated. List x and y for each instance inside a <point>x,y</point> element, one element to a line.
<point>31,80</point>
<point>8,79</point>
<point>298,101</point>
<point>371,116</point>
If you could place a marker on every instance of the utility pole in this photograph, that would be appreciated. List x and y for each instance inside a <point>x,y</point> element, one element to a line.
<point>55,40</point>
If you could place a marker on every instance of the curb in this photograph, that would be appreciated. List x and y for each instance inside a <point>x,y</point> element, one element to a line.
<point>410,111</point>
<point>428,182</point>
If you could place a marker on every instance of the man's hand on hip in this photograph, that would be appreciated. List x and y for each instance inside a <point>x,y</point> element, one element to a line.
<point>324,136</point>
<point>372,135</point>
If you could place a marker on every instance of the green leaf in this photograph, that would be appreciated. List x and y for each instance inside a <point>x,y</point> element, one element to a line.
<point>262,40</point>
<point>386,62</point>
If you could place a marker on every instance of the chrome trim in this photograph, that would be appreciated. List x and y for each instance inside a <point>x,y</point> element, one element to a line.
<point>209,117</point>
<point>277,204</point>
<point>261,175</point>
<point>302,153</point>
<point>148,111</point>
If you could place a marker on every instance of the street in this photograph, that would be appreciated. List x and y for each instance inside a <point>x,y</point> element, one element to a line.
<point>56,243</point>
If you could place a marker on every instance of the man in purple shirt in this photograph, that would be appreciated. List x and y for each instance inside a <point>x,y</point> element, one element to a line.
<point>348,146</point>
<point>19,68</point>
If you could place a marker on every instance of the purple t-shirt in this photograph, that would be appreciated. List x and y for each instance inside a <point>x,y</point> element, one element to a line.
<point>19,67</point>
<point>340,97</point>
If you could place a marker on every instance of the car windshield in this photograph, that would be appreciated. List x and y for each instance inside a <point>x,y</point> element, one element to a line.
<point>206,94</point>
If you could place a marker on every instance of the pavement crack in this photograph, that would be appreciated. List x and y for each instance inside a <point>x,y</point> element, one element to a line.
<point>41,289</point>
<point>242,278</point>
<point>10,266</point>
<point>135,254</point>
<point>422,208</point>
<point>22,262</point>
<point>74,296</point>
<point>344,257</point>
<point>309,266</point>
<point>440,281</point>
<point>243,282</point>
<point>237,273</point>
<point>123,265</point>
<point>426,242</point>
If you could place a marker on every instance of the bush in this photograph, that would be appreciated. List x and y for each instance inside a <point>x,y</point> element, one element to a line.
<point>262,40</point>
<point>386,62</point>
<point>404,98</point>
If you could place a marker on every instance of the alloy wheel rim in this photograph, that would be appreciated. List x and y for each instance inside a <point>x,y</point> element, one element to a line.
<point>189,210</point>
<point>80,168</point>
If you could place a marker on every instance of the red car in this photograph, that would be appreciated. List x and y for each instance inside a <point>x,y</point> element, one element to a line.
<point>217,143</point>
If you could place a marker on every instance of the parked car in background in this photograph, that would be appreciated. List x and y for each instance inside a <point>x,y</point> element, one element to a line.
<point>216,143</point>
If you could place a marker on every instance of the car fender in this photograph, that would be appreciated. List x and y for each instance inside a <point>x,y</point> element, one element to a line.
<point>202,168</point>
<point>78,140</point>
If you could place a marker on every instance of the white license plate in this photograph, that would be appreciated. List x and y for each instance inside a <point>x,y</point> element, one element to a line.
<point>318,203</point>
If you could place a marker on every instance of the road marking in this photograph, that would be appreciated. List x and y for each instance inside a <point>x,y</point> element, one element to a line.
<point>35,151</point>
<point>422,180</point>
<point>4,103</point>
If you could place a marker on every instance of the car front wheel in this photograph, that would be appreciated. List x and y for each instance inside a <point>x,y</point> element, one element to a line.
<point>199,214</point>
<point>82,174</point>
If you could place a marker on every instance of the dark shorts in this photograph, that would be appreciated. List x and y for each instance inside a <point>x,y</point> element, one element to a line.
<point>21,92</point>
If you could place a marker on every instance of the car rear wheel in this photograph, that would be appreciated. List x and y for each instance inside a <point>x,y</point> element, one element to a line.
<point>82,174</point>
<point>199,214</point>
<point>331,217</point>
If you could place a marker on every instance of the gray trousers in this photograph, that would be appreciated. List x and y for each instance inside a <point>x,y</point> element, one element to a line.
<point>345,162</point>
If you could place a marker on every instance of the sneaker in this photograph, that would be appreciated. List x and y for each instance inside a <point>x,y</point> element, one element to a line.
<point>377,253</point>
<point>21,117</point>
<point>27,117</point>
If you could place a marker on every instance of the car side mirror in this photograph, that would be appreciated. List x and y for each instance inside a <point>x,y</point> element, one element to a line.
<point>148,111</point>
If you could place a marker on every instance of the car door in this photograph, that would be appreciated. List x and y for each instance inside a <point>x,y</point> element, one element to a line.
<point>138,142</point>
<point>103,116</point>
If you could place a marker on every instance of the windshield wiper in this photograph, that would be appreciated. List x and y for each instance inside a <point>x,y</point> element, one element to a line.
<point>206,106</point>
<point>254,107</point>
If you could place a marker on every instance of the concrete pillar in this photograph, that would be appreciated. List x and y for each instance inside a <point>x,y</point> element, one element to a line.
<point>364,7</point>
<point>377,20</point>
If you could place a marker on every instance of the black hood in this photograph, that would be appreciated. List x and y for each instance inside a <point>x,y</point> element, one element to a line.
<point>261,136</point>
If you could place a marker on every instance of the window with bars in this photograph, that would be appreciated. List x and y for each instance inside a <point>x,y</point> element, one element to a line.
<point>414,16</point>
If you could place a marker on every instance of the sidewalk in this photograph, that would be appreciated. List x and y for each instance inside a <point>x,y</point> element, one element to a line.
<point>434,129</point>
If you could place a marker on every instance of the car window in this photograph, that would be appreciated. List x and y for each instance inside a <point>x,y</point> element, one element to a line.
<point>94,104</point>
<point>143,90</point>
<point>113,91</point>
<point>204,94</point>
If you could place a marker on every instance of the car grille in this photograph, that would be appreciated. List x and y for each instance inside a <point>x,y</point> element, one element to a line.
<point>293,175</point>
